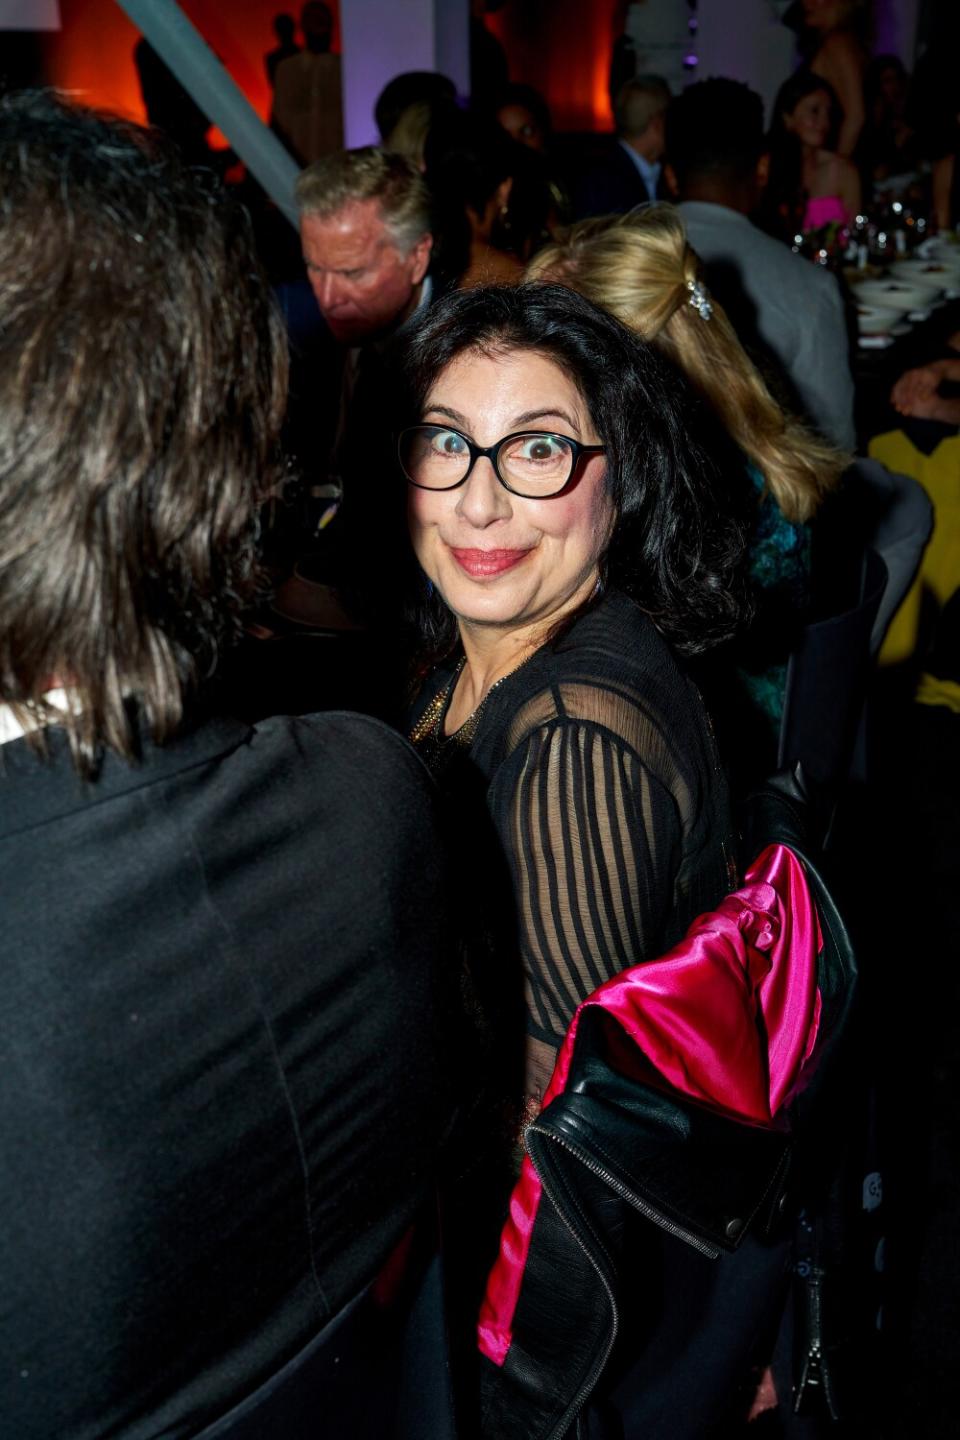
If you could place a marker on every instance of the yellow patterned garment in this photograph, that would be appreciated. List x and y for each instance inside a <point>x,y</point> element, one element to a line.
<point>939,574</point>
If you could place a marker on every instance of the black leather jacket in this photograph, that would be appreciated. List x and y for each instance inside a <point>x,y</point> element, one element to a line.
<point>610,1142</point>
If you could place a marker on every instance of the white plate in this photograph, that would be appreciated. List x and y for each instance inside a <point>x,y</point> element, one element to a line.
<point>893,294</point>
<point>876,319</point>
<point>944,246</point>
<point>936,273</point>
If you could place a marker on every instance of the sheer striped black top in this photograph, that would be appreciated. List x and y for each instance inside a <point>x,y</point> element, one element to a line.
<point>596,765</point>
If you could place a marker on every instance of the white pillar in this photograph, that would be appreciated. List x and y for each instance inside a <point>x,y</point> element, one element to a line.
<point>382,38</point>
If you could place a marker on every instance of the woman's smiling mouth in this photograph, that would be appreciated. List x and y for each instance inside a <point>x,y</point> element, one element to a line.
<point>479,564</point>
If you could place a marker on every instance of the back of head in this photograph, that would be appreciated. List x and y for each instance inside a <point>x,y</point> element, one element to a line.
<point>467,157</point>
<point>142,387</point>
<point>413,87</point>
<point>641,268</point>
<point>316,22</point>
<point>409,136</point>
<point>284,27</point>
<point>369,173</point>
<point>638,102</point>
<point>715,132</point>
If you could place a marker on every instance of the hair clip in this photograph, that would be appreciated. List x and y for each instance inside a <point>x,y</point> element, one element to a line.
<point>699,299</point>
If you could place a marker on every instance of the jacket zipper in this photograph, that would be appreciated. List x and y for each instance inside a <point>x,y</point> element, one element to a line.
<point>576,1405</point>
<point>647,1210</point>
<point>649,1213</point>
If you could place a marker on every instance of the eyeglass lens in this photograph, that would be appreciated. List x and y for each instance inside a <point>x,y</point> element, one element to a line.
<point>534,464</point>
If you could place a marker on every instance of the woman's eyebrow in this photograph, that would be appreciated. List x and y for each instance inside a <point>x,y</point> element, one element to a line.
<point>552,413</point>
<point>526,418</point>
<point>451,414</point>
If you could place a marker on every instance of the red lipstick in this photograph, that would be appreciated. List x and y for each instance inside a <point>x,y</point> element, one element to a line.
<point>479,564</point>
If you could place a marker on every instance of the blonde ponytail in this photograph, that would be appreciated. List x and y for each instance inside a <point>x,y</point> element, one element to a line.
<point>640,267</point>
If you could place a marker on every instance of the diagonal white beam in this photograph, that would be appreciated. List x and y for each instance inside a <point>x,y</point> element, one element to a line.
<point>199,71</point>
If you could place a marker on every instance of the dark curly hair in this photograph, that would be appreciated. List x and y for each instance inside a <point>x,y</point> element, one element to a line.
<point>677,482</point>
<point>142,387</point>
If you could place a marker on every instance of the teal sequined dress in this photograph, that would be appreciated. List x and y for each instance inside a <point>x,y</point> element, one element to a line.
<point>779,568</point>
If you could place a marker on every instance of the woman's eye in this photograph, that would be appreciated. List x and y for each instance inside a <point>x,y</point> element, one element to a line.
<point>542,447</point>
<point>448,442</point>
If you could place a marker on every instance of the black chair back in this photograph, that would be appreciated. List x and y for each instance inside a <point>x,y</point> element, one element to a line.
<point>827,678</point>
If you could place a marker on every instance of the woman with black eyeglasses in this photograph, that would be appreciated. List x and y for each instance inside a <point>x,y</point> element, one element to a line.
<point>576,539</point>
<point>579,527</point>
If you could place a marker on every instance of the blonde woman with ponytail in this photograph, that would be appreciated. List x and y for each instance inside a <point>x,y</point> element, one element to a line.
<point>640,267</point>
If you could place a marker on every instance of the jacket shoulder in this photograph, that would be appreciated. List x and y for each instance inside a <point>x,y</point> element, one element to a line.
<point>352,765</point>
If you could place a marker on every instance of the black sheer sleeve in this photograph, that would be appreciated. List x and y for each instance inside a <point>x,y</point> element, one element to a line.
<point>594,840</point>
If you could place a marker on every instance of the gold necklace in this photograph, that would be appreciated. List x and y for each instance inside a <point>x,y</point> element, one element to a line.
<point>428,726</point>
<point>428,731</point>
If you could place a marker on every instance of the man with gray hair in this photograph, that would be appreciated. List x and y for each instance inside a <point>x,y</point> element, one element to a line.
<point>365,229</point>
<point>629,170</point>
<point>366,236</point>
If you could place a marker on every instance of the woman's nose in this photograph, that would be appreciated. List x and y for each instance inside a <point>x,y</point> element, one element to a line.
<point>482,500</point>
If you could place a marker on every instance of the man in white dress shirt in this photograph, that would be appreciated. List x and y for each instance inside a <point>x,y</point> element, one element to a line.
<point>629,170</point>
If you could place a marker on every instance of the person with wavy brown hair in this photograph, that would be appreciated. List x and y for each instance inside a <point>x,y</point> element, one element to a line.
<point>809,185</point>
<point>209,930</point>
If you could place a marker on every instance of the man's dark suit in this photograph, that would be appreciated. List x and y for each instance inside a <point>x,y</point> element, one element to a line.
<point>223,1085</point>
<point>611,184</point>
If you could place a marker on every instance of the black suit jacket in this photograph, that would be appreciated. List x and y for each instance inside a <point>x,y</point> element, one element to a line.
<point>611,184</point>
<point>223,1085</point>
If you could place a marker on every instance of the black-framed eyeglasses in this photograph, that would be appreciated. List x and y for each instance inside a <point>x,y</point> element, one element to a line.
<point>534,464</point>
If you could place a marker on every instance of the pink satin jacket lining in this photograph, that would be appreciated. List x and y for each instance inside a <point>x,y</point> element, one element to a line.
<point>693,1015</point>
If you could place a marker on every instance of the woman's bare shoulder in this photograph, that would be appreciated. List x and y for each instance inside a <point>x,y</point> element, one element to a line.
<point>835,173</point>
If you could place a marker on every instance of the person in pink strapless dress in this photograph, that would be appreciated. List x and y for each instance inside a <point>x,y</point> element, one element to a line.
<point>810,185</point>
<point>824,210</point>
